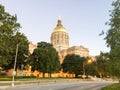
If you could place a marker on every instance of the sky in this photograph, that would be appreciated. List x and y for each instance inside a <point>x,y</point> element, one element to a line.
<point>83,19</point>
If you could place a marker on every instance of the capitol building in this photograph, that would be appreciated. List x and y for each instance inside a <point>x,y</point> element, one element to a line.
<point>60,41</point>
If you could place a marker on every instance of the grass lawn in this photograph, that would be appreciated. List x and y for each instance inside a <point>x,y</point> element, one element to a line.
<point>32,78</point>
<point>5,78</point>
<point>112,87</point>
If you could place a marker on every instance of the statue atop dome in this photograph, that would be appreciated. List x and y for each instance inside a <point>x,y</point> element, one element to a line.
<point>59,27</point>
<point>59,23</point>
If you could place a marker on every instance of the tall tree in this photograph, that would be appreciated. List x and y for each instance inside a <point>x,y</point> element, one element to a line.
<point>9,38</point>
<point>113,35</point>
<point>102,63</point>
<point>45,59</point>
<point>113,38</point>
<point>73,64</point>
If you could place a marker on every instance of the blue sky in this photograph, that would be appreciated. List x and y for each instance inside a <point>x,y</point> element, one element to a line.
<point>83,19</point>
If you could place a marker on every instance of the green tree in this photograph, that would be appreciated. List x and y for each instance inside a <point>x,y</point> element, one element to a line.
<point>114,69</point>
<point>9,38</point>
<point>73,64</point>
<point>45,59</point>
<point>113,38</point>
<point>91,69</point>
<point>102,63</point>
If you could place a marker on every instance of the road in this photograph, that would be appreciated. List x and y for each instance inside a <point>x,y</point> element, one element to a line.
<point>87,85</point>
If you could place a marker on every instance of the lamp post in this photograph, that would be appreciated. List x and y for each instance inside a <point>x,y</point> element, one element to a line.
<point>14,72</point>
<point>84,69</point>
<point>84,72</point>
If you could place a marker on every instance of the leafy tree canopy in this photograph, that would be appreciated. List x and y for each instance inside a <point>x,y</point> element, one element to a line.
<point>45,58</point>
<point>113,39</point>
<point>113,35</point>
<point>73,64</point>
<point>9,38</point>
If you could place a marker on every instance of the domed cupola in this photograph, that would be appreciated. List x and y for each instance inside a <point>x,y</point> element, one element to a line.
<point>59,37</point>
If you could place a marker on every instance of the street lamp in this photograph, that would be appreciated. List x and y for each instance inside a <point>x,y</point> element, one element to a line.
<point>84,72</point>
<point>84,69</point>
<point>14,72</point>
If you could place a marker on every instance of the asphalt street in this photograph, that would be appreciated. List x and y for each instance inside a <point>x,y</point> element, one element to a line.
<point>62,86</point>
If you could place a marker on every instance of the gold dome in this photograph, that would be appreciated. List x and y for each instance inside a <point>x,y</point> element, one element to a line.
<point>59,27</point>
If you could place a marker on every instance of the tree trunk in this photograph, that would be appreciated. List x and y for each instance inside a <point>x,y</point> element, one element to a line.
<point>50,75</point>
<point>43,75</point>
<point>76,75</point>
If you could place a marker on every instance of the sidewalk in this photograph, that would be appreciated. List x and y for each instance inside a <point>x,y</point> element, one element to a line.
<point>4,87</point>
<point>7,84</point>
